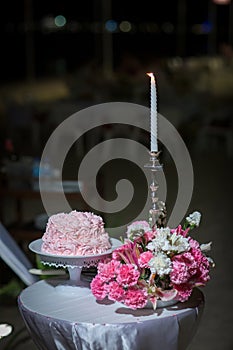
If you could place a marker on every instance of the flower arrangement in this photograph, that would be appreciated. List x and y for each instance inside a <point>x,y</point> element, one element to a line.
<point>154,264</point>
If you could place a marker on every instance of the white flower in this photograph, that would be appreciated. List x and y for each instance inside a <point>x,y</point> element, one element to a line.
<point>160,241</point>
<point>137,229</point>
<point>178,243</point>
<point>211,261</point>
<point>206,247</point>
<point>168,242</point>
<point>160,264</point>
<point>194,218</point>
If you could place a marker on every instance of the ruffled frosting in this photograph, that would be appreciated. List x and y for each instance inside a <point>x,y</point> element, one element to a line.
<point>75,233</point>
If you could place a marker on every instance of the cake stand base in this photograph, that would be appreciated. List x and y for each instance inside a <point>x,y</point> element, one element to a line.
<point>75,284</point>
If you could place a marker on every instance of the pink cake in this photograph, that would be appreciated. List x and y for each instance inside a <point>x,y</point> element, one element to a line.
<point>76,233</point>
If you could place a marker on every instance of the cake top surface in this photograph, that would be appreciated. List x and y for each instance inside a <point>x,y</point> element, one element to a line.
<point>76,219</point>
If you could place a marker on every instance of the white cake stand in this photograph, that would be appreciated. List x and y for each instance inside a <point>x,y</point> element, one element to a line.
<point>74,264</point>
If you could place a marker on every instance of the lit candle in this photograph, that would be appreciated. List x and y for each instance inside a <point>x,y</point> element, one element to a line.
<point>153,114</point>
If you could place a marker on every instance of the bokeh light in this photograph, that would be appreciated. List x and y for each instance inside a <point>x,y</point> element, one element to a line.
<point>111,25</point>
<point>125,26</point>
<point>60,21</point>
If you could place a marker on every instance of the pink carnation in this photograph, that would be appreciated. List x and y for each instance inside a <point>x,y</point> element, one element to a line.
<point>189,269</point>
<point>108,271</point>
<point>184,266</point>
<point>202,275</point>
<point>135,298</point>
<point>127,275</point>
<point>184,291</point>
<point>116,292</point>
<point>179,273</point>
<point>98,288</point>
<point>144,259</point>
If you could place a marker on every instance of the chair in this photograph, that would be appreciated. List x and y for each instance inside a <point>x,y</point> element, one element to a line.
<point>15,258</point>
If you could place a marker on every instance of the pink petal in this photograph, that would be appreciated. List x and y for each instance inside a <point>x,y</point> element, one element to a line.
<point>153,301</point>
<point>166,295</point>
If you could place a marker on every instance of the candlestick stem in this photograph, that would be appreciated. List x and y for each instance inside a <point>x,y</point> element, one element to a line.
<point>157,213</point>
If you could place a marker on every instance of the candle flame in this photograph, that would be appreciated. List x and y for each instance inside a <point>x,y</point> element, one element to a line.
<point>151,75</point>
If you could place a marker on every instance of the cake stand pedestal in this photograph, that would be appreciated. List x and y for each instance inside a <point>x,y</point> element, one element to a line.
<point>74,265</point>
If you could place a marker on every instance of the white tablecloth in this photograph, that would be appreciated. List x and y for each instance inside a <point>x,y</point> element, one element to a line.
<point>75,320</point>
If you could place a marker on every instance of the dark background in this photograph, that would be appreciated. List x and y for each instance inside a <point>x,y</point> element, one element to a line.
<point>159,29</point>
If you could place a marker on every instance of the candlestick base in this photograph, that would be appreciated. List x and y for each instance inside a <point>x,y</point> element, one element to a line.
<point>157,214</point>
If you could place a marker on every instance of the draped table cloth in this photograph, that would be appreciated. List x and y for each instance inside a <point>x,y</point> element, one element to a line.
<point>73,319</point>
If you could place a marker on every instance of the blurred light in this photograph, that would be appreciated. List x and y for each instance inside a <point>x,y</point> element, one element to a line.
<point>206,27</point>
<point>125,26</point>
<point>222,2</point>
<point>175,63</point>
<point>111,25</point>
<point>60,21</point>
<point>203,28</point>
<point>48,23</point>
<point>168,27</point>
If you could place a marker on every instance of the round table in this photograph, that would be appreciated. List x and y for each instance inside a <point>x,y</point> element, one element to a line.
<point>75,320</point>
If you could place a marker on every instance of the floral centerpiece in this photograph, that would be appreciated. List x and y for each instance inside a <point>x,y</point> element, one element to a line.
<point>154,264</point>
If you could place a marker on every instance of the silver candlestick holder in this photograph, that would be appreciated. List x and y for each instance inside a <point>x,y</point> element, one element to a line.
<point>157,213</point>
